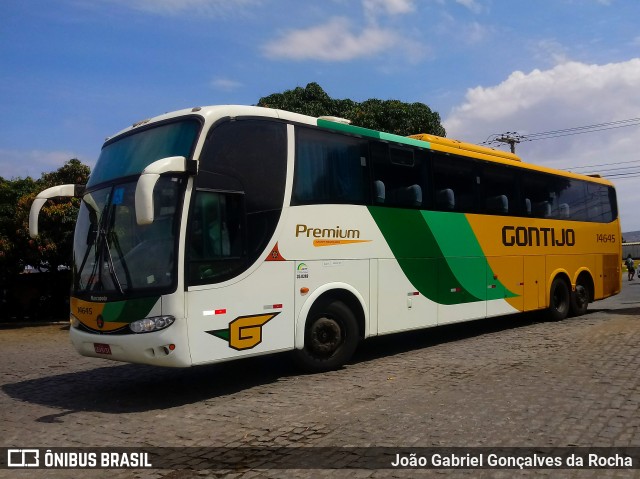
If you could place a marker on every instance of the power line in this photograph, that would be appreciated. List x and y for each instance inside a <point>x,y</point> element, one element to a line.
<point>583,129</point>
<point>607,164</point>
<point>512,138</point>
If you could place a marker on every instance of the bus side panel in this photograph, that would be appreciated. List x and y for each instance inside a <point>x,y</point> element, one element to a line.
<point>612,275</point>
<point>400,306</point>
<point>246,317</point>
<point>323,275</point>
<point>510,287</point>
<point>463,296</point>
<point>534,283</point>
<point>571,265</point>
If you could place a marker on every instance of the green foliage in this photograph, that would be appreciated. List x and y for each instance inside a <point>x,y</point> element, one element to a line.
<point>11,191</point>
<point>391,116</point>
<point>53,247</point>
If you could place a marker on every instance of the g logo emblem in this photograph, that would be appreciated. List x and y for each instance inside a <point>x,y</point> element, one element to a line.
<point>245,332</point>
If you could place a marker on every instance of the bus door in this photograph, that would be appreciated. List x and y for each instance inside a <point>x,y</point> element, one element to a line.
<point>243,318</point>
<point>236,306</point>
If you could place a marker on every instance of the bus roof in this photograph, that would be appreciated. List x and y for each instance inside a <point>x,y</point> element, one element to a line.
<point>421,140</point>
<point>439,140</point>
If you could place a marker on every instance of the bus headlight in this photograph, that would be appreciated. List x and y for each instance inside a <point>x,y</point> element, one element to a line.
<point>154,323</point>
<point>75,322</point>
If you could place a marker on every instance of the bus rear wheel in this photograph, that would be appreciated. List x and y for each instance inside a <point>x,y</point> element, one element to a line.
<point>330,339</point>
<point>559,300</point>
<point>579,300</point>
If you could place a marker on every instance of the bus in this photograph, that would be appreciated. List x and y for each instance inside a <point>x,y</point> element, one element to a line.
<point>222,232</point>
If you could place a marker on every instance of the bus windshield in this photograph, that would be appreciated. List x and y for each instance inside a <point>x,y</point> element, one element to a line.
<point>113,255</point>
<point>130,154</point>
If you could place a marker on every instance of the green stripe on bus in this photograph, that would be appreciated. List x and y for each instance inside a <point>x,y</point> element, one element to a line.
<point>458,243</point>
<point>129,310</point>
<point>378,135</point>
<point>439,254</point>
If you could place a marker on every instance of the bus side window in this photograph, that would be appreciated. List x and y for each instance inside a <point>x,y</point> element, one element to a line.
<point>537,189</point>
<point>446,200</point>
<point>499,190</point>
<point>215,238</point>
<point>400,175</point>
<point>542,209</point>
<point>329,168</point>
<point>379,195</point>
<point>600,203</point>
<point>456,183</point>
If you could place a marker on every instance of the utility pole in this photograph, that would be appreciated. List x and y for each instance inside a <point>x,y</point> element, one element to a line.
<point>511,138</point>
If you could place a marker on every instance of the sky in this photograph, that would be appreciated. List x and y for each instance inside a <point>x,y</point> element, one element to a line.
<point>73,72</point>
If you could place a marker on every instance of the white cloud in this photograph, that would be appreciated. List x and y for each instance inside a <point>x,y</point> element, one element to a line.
<point>569,95</point>
<point>472,5</point>
<point>476,33</point>
<point>390,7</point>
<point>331,41</point>
<point>225,84</point>
<point>550,51</point>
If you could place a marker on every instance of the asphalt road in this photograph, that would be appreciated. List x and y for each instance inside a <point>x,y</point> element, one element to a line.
<point>514,381</point>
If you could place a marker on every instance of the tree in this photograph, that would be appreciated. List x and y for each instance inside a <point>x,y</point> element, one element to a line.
<point>11,191</point>
<point>37,295</point>
<point>53,246</point>
<point>391,116</point>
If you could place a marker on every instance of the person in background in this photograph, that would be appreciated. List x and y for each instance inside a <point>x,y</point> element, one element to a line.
<point>630,267</point>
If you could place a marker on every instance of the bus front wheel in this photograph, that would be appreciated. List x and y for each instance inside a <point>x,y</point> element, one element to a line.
<point>559,300</point>
<point>330,339</point>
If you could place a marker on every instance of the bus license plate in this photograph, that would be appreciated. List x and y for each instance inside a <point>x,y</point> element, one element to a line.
<point>102,348</point>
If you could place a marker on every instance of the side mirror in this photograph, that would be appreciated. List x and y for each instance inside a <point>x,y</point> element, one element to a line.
<point>149,178</point>
<point>43,196</point>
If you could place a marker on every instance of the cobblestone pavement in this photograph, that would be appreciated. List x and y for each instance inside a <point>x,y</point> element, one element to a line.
<point>509,381</point>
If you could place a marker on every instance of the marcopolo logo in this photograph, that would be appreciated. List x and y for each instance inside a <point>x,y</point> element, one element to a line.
<point>329,236</point>
<point>532,236</point>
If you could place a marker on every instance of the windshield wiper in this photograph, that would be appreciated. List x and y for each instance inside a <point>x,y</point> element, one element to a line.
<point>112,270</point>
<point>102,253</point>
<point>116,244</point>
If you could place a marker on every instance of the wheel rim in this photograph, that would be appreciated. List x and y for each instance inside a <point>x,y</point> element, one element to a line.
<point>326,337</point>
<point>560,299</point>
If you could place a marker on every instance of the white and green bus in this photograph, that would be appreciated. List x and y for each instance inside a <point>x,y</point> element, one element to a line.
<point>222,232</point>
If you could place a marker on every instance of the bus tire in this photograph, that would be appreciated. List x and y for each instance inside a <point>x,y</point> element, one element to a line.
<point>579,300</point>
<point>330,339</point>
<point>559,300</point>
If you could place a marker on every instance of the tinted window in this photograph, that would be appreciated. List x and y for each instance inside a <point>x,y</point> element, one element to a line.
<point>538,193</point>
<point>399,176</point>
<point>455,183</point>
<point>216,249</point>
<point>556,197</point>
<point>131,154</point>
<point>247,156</point>
<point>499,190</point>
<point>600,203</point>
<point>329,168</point>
